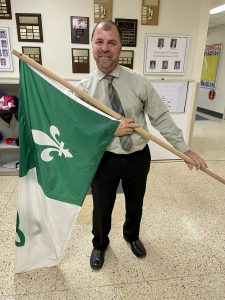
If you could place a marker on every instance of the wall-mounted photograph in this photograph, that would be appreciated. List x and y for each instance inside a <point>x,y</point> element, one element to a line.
<point>79,30</point>
<point>5,51</point>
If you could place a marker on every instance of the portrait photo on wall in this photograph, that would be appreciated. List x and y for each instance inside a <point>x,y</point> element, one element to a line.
<point>5,51</point>
<point>165,64</point>
<point>160,43</point>
<point>177,64</point>
<point>79,30</point>
<point>173,43</point>
<point>165,54</point>
<point>152,64</point>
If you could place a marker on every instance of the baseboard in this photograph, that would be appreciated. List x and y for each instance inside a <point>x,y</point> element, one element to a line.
<point>210,112</point>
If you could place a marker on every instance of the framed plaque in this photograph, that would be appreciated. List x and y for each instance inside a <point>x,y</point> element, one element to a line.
<point>165,54</point>
<point>5,9</point>
<point>79,30</point>
<point>129,31</point>
<point>5,51</point>
<point>102,10</point>
<point>29,27</point>
<point>150,12</point>
<point>126,58</point>
<point>33,52</point>
<point>80,60</point>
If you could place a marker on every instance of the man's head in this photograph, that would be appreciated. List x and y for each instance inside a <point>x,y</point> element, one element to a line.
<point>106,45</point>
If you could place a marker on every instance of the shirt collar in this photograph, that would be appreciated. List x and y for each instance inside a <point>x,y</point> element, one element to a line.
<point>115,73</point>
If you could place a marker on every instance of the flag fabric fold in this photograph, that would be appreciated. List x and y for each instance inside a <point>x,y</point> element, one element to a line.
<point>62,140</point>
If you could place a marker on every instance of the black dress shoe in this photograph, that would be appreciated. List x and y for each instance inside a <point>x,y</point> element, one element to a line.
<point>137,248</point>
<point>97,259</point>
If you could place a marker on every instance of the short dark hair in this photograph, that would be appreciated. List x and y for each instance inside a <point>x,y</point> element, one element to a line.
<point>107,25</point>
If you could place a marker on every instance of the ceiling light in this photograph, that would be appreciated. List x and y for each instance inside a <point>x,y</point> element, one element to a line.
<point>217,9</point>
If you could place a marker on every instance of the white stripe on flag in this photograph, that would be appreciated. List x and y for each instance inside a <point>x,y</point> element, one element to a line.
<point>46,224</point>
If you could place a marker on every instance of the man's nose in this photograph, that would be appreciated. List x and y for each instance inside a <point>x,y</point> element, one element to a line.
<point>105,47</point>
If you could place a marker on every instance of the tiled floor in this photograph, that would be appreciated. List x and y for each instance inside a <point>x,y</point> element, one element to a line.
<point>183,229</point>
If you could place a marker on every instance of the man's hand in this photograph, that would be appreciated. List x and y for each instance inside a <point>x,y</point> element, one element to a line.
<point>126,127</point>
<point>200,163</point>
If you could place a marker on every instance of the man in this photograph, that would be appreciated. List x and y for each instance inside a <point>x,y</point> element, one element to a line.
<point>160,43</point>
<point>165,64</point>
<point>130,165</point>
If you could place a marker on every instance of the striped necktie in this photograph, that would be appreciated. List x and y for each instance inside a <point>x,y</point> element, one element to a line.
<point>126,140</point>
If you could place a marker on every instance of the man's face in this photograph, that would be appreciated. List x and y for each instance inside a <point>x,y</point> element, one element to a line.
<point>106,47</point>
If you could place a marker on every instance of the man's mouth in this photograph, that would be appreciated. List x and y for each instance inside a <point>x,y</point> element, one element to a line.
<point>107,55</point>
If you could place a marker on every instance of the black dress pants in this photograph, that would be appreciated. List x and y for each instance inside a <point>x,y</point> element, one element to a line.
<point>132,169</point>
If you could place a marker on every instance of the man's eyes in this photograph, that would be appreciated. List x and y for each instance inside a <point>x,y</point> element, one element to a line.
<point>109,43</point>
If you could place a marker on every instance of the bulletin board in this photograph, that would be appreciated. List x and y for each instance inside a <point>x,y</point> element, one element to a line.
<point>174,94</point>
<point>210,65</point>
<point>165,54</point>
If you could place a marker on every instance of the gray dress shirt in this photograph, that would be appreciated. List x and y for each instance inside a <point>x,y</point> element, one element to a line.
<point>138,98</point>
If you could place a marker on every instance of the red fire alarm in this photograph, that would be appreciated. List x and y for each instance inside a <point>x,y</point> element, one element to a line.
<point>212,94</point>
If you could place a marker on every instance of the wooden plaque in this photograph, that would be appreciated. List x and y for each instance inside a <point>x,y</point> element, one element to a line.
<point>5,9</point>
<point>80,60</point>
<point>29,27</point>
<point>126,58</point>
<point>129,31</point>
<point>150,12</point>
<point>102,10</point>
<point>33,52</point>
<point>79,30</point>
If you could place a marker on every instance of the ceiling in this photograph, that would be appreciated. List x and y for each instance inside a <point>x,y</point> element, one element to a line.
<point>217,19</point>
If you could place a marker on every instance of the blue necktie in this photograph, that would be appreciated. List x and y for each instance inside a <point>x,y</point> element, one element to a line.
<point>126,140</point>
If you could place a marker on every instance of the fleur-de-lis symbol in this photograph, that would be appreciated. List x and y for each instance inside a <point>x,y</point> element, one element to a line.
<point>43,139</point>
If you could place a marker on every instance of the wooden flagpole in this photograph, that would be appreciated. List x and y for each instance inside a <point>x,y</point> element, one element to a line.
<point>111,112</point>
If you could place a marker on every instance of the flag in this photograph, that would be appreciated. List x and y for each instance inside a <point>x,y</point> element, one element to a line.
<point>62,140</point>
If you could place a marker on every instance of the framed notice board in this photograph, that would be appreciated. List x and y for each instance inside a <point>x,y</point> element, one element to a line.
<point>174,94</point>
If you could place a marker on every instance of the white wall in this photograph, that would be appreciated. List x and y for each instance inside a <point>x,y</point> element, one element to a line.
<point>178,17</point>
<point>216,35</point>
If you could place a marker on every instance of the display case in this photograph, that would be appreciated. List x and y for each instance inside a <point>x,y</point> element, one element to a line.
<point>9,153</point>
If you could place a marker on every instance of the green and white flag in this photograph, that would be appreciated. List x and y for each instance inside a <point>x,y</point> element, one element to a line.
<point>62,140</point>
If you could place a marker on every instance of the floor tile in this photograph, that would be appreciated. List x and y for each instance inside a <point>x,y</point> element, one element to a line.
<point>206,287</point>
<point>75,271</point>
<point>99,293</point>
<point>7,249</point>
<point>179,258</point>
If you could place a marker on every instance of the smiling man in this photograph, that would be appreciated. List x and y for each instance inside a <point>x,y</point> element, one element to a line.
<point>127,157</point>
<point>106,47</point>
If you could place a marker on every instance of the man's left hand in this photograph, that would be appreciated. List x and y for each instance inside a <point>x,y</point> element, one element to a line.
<point>200,162</point>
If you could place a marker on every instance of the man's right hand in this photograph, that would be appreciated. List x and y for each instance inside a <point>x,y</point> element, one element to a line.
<point>126,127</point>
